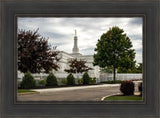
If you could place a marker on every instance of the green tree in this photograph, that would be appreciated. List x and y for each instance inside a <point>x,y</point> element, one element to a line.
<point>51,80</point>
<point>136,69</point>
<point>86,78</point>
<point>114,49</point>
<point>70,79</point>
<point>140,67</point>
<point>106,69</point>
<point>28,81</point>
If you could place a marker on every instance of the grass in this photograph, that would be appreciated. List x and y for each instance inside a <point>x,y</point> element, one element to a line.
<point>120,97</point>
<point>24,91</point>
<point>112,82</point>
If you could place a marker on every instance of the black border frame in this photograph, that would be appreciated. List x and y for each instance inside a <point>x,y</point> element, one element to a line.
<point>149,9</point>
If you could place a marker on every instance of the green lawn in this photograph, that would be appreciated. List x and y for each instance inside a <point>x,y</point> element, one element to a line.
<point>24,91</point>
<point>118,97</point>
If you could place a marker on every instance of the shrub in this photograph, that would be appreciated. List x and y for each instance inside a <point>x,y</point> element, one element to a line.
<point>112,82</point>
<point>64,81</point>
<point>86,78</point>
<point>93,80</point>
<point>51,80</point>
<point>140,88</point>
<point>127,88</point>
<point>42,82</point>
<point>28,81</point>
<point>80,81</point>
<point>70,79</point>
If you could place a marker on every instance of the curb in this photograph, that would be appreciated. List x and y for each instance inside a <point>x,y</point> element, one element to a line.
<point>102,99</point>
<point>71,88</point>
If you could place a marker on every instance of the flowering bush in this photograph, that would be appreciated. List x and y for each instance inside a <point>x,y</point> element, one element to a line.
<point>127,88</point>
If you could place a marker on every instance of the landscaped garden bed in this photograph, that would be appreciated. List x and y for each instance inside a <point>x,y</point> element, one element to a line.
<point>51,81</point>
<point>127,89</point>
<point>124,98</point>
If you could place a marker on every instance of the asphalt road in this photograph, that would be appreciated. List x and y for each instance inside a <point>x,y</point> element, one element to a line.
<point>87,94</point>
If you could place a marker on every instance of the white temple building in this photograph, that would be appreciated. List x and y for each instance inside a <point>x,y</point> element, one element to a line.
<point>65,57</point>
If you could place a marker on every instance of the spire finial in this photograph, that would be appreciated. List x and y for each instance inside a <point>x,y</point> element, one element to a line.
<point>75,32</point>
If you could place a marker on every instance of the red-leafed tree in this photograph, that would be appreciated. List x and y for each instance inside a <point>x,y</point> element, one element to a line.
<point>77,66</point>
<point>34,53</point>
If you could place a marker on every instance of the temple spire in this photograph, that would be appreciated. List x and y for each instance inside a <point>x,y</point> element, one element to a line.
<point>75,32</point>
<point>75,47</point>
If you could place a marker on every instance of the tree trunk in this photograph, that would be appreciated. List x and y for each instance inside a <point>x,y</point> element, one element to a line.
<point>114,75</point>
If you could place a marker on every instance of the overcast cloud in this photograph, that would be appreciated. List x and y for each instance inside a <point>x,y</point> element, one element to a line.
<point>60,31</point>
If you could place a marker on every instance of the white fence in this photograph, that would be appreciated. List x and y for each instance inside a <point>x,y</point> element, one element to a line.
<point>59,76</point>
<point>102,77</point>
<point>120,76</point>
<point>129,76</point>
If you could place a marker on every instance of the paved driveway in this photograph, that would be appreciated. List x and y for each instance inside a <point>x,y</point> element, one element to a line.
<point>90,93</point>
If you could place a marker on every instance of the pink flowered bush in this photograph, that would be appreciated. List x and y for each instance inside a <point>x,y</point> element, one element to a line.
<point>127,88</point>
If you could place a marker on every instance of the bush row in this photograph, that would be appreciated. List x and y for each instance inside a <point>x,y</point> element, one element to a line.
<point>29,82</point>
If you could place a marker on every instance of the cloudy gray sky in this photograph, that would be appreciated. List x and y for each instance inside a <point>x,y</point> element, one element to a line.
<point>60,31</point>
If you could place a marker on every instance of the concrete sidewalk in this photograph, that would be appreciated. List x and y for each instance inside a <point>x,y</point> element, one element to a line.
<point>73,88</point>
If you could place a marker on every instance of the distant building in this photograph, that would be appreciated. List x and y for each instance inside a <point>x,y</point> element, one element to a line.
<point>65,57</point>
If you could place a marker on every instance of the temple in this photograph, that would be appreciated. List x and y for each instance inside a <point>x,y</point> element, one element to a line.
<point>65,57</point>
